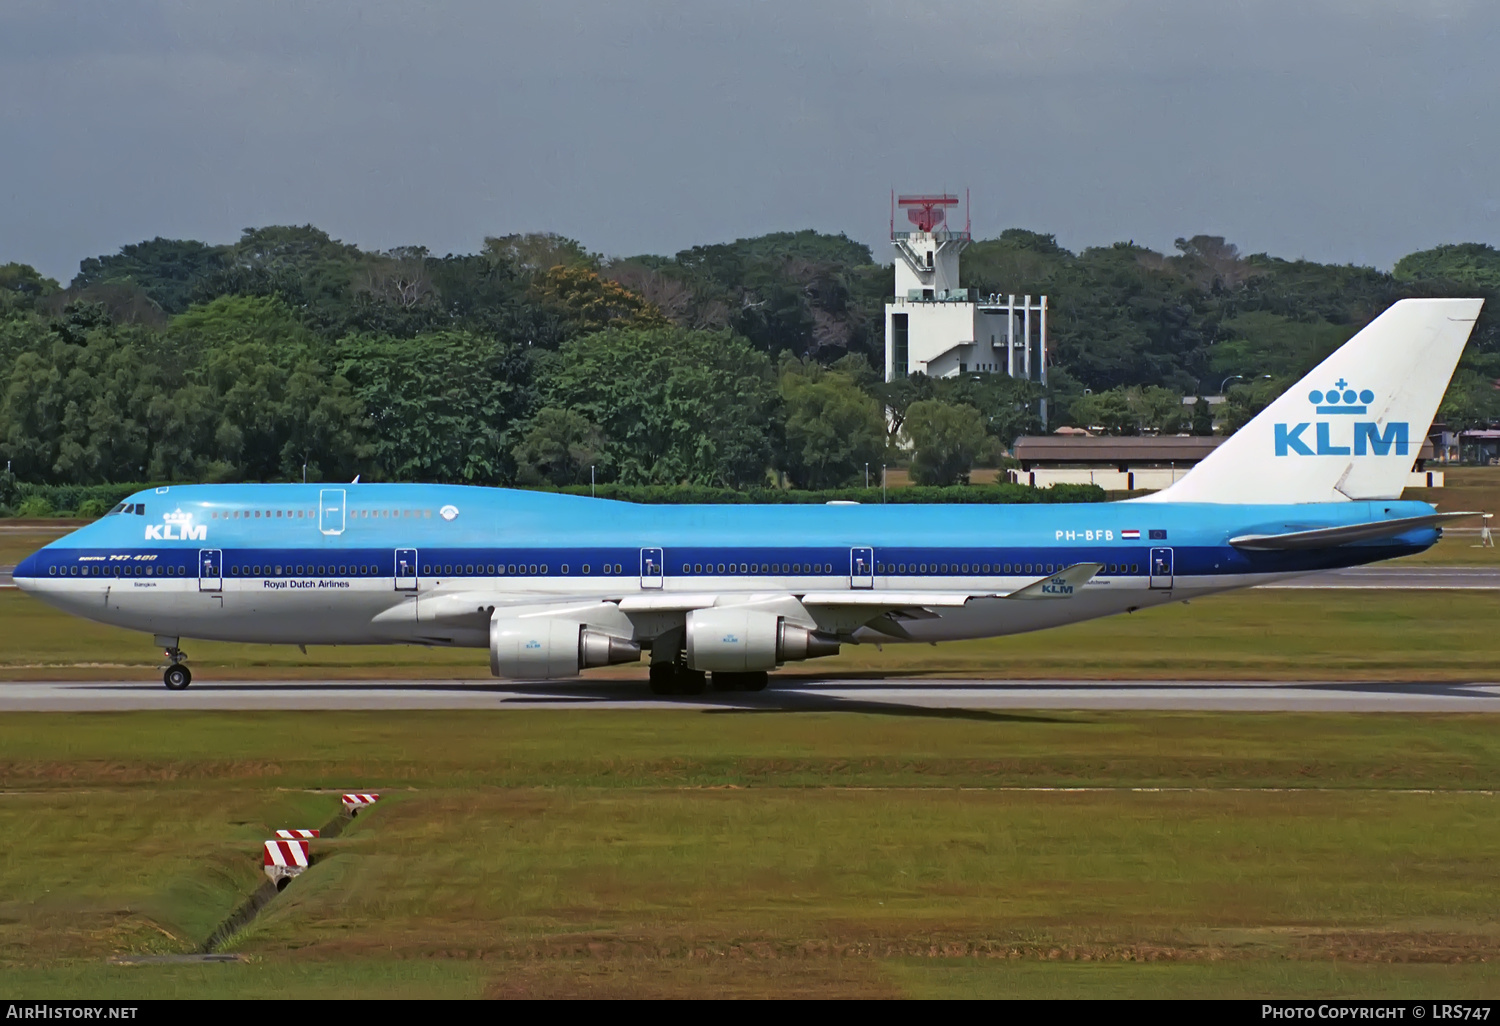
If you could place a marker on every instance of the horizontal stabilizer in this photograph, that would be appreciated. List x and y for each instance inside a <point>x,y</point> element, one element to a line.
<point>1324,537</point>
<point>1060,585</point>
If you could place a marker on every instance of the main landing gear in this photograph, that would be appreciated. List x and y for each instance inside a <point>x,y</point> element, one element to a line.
<point>175,675</point>
<point>670,674</point>
<point>677,679</point>
<point>749,681</point>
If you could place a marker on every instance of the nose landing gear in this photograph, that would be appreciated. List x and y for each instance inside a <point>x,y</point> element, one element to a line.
<point>176,676</point>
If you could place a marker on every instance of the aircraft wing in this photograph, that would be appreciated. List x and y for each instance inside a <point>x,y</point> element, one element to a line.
<point>1323,537</point>
<point>846,608</point>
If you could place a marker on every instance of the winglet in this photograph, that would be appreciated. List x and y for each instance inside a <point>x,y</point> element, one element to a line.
<point>1060,585</point>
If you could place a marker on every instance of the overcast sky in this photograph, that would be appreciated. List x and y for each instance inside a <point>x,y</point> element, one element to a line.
<point>1339,130</point>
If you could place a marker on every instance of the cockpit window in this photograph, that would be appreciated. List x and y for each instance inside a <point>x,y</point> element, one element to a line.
<point>118,509</point>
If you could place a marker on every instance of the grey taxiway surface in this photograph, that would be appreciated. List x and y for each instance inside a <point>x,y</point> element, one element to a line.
<point>890,696</point>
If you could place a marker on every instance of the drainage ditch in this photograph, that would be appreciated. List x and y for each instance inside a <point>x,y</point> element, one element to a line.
<point>264,895</point>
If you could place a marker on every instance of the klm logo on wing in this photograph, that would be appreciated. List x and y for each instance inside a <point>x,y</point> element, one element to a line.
<point>1056,587</point>
<point>176,526</point>
<point>1341,436</point>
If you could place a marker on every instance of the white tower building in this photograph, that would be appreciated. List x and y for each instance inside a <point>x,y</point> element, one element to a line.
<point>935,327</point>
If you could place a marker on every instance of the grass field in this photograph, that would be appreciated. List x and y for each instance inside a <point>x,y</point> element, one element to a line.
<point>681,853</point>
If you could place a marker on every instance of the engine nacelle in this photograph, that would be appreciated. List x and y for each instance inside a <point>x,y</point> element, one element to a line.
<point>540,648</point>
<point>736,640</point>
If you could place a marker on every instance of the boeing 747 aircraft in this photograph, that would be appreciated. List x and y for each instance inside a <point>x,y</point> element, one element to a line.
<point>555,584</point>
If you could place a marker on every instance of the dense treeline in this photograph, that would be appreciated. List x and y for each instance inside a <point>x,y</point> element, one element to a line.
<point>744,365</point>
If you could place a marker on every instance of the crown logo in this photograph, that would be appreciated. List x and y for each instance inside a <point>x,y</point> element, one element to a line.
<point>177,516</point>
<point>1341,399</point>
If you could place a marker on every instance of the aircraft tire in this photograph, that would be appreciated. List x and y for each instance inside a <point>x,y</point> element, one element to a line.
<point>177,678</point>
<point>663,679</point>
<point>691,682</point>
<point>747,681</point>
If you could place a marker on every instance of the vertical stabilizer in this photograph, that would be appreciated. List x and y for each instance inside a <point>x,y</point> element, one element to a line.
<point>1351,428</point>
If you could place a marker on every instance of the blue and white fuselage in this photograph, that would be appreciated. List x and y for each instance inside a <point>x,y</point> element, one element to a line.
<point>553,584</point>
<point>357,564</point>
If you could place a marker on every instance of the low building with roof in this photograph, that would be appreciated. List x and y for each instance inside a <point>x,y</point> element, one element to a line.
<point>1138,462</point>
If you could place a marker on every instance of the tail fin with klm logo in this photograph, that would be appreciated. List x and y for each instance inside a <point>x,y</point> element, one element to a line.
<point>1353,426</point>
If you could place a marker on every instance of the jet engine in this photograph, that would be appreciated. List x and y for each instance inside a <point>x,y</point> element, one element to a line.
<point>541,647</point>
<point>734,640</point>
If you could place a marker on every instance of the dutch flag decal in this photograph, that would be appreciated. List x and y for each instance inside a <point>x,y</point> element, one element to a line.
<point>1131,535</point>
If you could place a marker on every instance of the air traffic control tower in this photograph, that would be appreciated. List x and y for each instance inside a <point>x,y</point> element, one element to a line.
<point>933,326</point>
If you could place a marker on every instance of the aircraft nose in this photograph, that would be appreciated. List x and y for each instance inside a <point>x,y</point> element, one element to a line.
<point>25,572</point>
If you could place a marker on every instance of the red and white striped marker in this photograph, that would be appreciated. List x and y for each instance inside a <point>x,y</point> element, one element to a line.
<point>355,802</point>
<point>296,835</point>
<point>285,858</point>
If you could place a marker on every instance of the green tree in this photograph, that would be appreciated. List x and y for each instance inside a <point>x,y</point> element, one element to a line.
<point>442,406</point>
<point>1131,411</point>
<point>536,252</point>
<point>1471,264</point>
<point>1243,402</point>
<point>21,286</point>
<point>1472,401</point>
<point>897,397</point>
<point>301,265</point>
<point>234,319</point>
<point>833,429</point>
<point>1203,418</point>
<point>169,271</point>
<point>674,406</point>
<point>584,302</point>
<point>275,410</point>
<point>561,447</point>
<point>946,440</point>
<point>802,292</point>
<point>1009,405</point>
<point>1261,342</point>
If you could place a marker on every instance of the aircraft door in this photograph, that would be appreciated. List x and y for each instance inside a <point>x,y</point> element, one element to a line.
<point>652,566</point>
<point>210,570</point>
<point>862,568</point>
<point>331,510</point>
<point>406,569</point>
<point>1161,568</point>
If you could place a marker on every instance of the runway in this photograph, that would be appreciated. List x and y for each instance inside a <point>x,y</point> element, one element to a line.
<point>886,696</point>
<point>1392,577</point>
<point>1401,577</point>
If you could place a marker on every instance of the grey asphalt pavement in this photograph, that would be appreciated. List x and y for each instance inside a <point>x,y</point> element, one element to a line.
<point>1419,577</point>
<point>892,696</point>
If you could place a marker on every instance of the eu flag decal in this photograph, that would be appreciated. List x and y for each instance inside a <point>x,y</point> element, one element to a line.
<point>1158,535</point>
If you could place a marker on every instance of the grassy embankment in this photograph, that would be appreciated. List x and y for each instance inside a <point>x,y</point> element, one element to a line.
<point>622,854</point>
